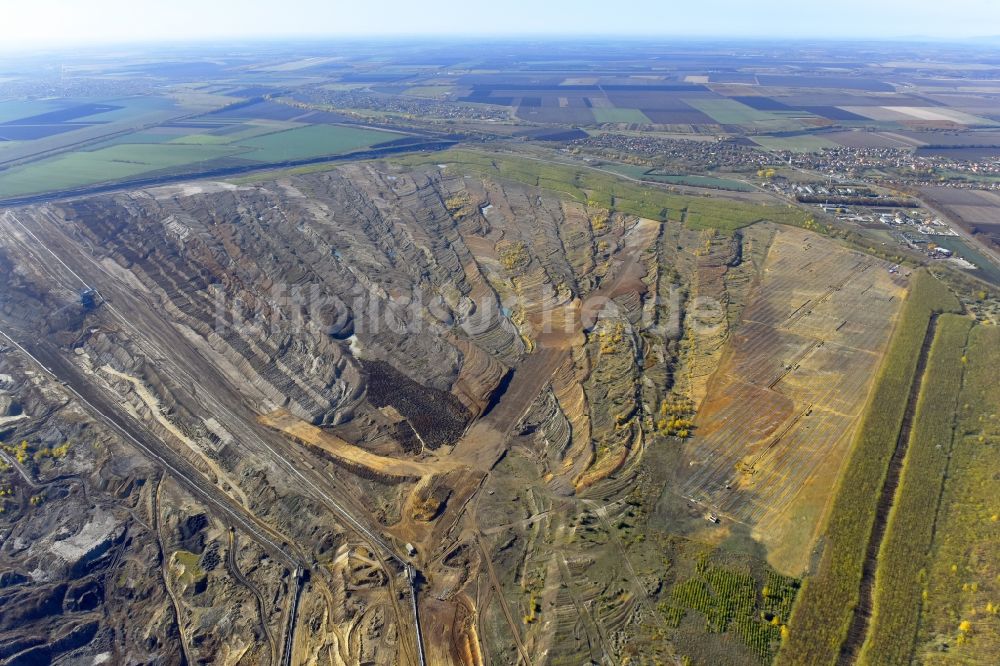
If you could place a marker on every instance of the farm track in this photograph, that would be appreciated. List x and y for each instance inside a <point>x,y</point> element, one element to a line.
<point>861,619</point>
<point>596,638</point>
<point>641,593</point>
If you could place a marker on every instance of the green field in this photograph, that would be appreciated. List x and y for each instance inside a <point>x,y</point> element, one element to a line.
<point>132,108</point>
<point>435,92</point>
<point>17,109</point>
<point>225,135</point>
<point>692,180</point>
<point>825,606</point>
<point>150,136</point>
<point>903,554</point>
<point>731,112</point>
<point>151,151</point>
<point>313,141</point>
<point>599,188</point>
<point>703,181</point>
<point>620,116</point>
<point>104,165</point>
<point>201,140</point>
<point>254,128</point>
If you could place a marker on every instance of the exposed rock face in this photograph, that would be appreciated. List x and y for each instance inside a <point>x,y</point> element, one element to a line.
<point>720,286</point>
<point>274,283</point>
<point>480,376</point>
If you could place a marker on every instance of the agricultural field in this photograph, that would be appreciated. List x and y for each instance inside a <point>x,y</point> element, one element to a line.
<point>798,144</point>
<point>834,82</point>
<point>312,141</point>
<point>731,112</point>
<point>31,127</point>
<point>104,165</point>
<point>12,110</point>
<point>916,113</point>
<point>707,99</point>
<point>824,610</point>
<point>865,139</point>
<point>154,151</point>
<point>617,115</point>
<point>780,410</point>
<point>692,180</point>
<point>432,91</point>
<point>31,120</point>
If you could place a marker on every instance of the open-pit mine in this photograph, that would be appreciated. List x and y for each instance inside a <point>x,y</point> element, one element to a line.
<point>389,414</point>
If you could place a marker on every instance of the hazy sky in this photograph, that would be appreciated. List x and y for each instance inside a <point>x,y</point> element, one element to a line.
<point>67,22</point>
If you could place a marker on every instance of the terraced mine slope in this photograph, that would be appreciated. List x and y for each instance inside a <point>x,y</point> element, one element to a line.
<point>414,413</point>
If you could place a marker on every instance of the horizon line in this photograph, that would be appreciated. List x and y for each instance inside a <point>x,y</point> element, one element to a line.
<point>37,47</point>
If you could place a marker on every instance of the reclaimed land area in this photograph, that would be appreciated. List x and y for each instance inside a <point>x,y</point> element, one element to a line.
<point>833,599</point>
<point>778,415</point>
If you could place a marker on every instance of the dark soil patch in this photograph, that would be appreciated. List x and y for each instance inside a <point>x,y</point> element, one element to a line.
<point>437,416</point>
